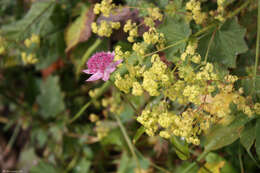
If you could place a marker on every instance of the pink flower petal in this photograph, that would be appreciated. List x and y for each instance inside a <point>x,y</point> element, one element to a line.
<point>95,76</point>
<point>118,62</point>
<point>106,76</point>
<point>101,65</point>
<point>86,71</point>
<point>112,66</point>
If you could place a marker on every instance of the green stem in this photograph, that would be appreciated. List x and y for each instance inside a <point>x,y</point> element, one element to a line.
<point>203,30</point>
<point>152,164</point>
<point>125,98</point>
<point>257,45</point>
<point>240,160</point>
<point>167,47</point>
<point>234,13</point>
<point>192,165</point>
<point>14,136</point>
<point>82,110</point>
<point>128,141</point>
<point>210,42</point>
<point>72,163</point>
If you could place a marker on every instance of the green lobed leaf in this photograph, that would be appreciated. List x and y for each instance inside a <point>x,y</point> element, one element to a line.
<point>128,164</point>
<point>248,136</point>
<point>217,137</point>
<point>138,134</point>
<point>83,166</point>
<point>257,142</point>
<point>38,14</point>
<point>228,42</point>
<point>214,158</point>
<point>181,148</point>
<point>247,139</point>
<point>42,167</point>
<point>80,30</point>
<point>51,98</point>
<point>249,87</point>
<point>114,137</point>
<point>176,32</point>
<point>163,3</point>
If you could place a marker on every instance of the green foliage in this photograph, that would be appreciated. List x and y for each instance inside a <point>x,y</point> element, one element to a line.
<point>53,121</point>
<point>181,148</point>
<point>51,98</point>
<point>44,167</point>
<point>176,32</point>
<point>34,21</point>
<point>79,30</point>
<point>227,42</point>
<point>128,165</point>
<point>248,136</point>
<point>257,142</point>
<point>217,137</point>
<point>83,166</point>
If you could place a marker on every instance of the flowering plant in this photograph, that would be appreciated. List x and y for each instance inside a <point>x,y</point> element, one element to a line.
<point>179,88</point>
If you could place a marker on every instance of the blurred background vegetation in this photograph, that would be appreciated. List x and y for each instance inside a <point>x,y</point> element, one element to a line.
<point>52,121</point>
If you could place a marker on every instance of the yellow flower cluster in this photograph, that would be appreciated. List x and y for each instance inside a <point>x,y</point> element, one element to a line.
<point>155,76</point>
<point>125,83</point>
<point>192,92</point>
<point>101,129</point>
<point>186,125</point>
<point>219,105</point>
<point>93,93</point>
<point>93,118</point>
<point>29,58</point>
<point>153,14</point>
<point>149,119</point>
<point>119,54</point>
<point>191,85</point>
<point>105,7</point>
<point>113,104</point>
<point>220,10</point>
<point>139,48</point>
<point>206,73</point>
<point>35,39</point>
<point>137,89</point>
<point>153,37</point>
<point>257,108</point>
<point>198,16</point>
<point>105,28</point>
<point>190,53</point>
<point>130,81</point>
<point>132,29</point>
<point>2,45</point>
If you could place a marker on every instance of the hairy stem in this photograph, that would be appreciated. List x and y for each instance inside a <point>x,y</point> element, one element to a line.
<point>210,42</point>
<point>128,141</point>
<point>257,45</point>
<point>235,12</point>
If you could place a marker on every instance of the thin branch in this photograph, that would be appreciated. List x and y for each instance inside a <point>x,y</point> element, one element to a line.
<point>128,141</point>
<point>257,45</point>
<point>208,48</point>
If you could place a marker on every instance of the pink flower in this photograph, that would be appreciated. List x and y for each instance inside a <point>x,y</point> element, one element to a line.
<point>100,65</point>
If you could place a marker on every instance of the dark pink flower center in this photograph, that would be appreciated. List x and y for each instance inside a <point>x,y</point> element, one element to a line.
<point>100,61</point>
